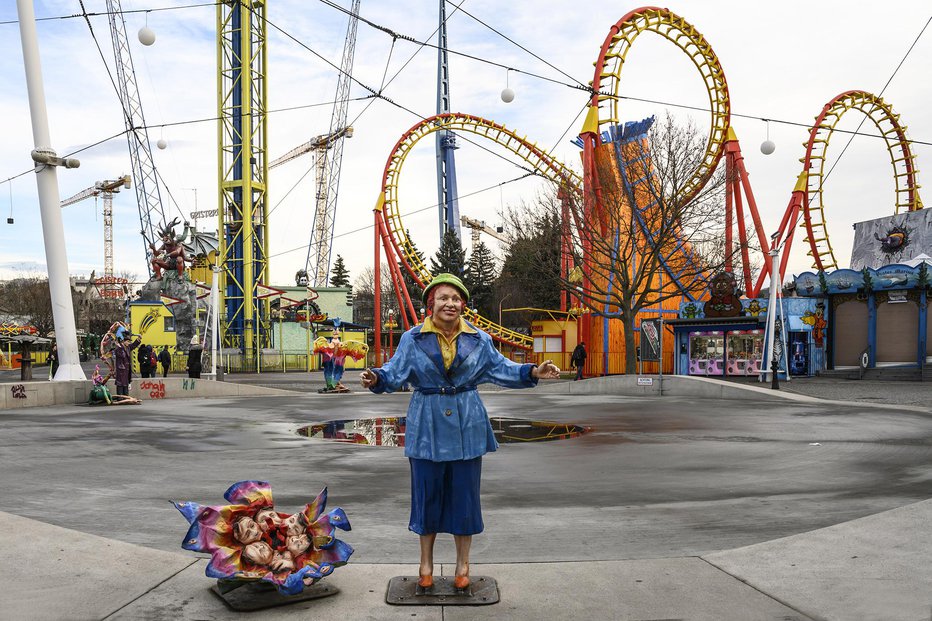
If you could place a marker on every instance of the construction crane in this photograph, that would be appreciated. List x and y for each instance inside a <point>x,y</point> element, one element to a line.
<point>478,227</point>
<point>148,199</point>
<point>316,144</point>
<point>106,190</point>
<point>329,150</point>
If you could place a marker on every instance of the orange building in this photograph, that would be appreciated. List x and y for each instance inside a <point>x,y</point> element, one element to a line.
<point>624,216</point>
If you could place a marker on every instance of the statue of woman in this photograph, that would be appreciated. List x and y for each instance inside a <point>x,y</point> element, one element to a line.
<point>448,428</point>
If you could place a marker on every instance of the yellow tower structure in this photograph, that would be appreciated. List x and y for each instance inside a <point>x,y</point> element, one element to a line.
<point>242,210</point>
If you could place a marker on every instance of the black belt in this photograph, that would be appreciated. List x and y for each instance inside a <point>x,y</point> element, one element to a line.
<point>445,390</point>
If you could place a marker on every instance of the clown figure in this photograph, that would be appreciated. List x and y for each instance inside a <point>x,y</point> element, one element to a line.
<point>333,354</point>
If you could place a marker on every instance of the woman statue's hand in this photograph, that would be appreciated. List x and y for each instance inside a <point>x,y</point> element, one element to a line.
<point>368,378</point>
<point>546,370</point>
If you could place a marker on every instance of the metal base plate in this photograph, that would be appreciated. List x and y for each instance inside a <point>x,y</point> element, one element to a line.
<point>403,591</point>
<point>246,596</point>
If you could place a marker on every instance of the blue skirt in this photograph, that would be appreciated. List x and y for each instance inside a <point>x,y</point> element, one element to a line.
<point>445,496</point>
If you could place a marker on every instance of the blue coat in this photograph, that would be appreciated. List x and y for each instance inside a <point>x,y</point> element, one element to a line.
<point>447,427</point>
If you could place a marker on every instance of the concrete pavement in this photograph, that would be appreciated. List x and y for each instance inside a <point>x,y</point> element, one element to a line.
<point>675,492</point>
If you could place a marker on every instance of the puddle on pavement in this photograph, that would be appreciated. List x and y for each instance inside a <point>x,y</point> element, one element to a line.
<point>391,431</point>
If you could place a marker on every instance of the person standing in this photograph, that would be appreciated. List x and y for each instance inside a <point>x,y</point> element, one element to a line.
<point>122,357</point>
<point>194,359</point>
<point>447,427</point>
<point>144,356</point>
<point>165,359</point>
<point>578,360</point>
<point>53,362</point>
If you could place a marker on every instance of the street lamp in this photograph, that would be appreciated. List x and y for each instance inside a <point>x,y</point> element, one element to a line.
<point>389,325</point>
<point>502,301</point>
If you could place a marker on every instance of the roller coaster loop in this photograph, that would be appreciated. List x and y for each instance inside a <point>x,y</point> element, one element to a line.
<point>906,195</point>
<point>390,231</point>
<point>604,112</point>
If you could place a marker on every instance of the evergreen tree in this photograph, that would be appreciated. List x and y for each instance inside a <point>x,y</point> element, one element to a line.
<point>531,267</point>
<point>339,276</point>
<point>480,279</point>
<point>450,256</point>
<point>414,289</point>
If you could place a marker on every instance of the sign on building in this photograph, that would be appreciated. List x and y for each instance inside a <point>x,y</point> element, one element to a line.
<point>650,339</point>
<point>893,239</point>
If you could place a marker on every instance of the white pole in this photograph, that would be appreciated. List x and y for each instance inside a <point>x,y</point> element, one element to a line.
<point>214,320</point>
<point>53,232</point>
<point>771,310</point>
<point>785,336</point>
<point>660,364</point>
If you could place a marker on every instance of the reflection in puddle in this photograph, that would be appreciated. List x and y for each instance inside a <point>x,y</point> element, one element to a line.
<point>391,431</point>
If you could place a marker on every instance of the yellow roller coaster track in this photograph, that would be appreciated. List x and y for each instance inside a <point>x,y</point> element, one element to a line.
<point>684,35</point>
<point>539,161</point>
<point>904,171</point>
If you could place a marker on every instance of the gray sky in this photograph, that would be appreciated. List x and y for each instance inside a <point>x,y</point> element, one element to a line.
<point>783,61</point>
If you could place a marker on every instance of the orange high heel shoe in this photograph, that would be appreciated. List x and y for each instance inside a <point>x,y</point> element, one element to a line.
<point>461,583</point>
<point>426,582</point>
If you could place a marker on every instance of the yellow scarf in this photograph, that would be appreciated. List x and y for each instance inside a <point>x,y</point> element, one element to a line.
<point>447,344</point>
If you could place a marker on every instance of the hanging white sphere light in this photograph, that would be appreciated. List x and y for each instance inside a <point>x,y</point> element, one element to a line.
<point>161,144</point>
<point>767,146</point>
<point>508,94</point>
<point>146,36</point>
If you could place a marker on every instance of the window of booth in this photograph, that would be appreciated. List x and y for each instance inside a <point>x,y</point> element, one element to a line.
<point>548,344</point>
<point>745,348</point>
<point>706,353</point>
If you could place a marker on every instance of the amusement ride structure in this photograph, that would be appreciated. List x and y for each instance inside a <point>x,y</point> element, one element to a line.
<point>447,195</point>
<point>601,126</point>
<point>243,212</point>
<point>148,196</point>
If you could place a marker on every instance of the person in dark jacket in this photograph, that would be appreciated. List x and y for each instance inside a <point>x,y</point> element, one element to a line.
<point>194,359</point>
<point>165,359</point>
<point>144,355</point>
<point>578,360</point>
<point>448,429</point>
<point>53,362</point>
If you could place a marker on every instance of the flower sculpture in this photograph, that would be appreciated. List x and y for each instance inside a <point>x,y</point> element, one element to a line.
<point>249,540</point>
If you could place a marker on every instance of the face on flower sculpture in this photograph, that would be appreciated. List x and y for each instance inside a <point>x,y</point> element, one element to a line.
<point>245,530</point>
<point>258,553</point>
<point>298,545</point>
<point>294,525</point>
<point>267,518</point>
<point>249,540</point>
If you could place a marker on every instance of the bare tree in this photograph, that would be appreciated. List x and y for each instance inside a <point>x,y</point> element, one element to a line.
<point>364,297</point>
<point>643,233</point>
<point>28,297</point>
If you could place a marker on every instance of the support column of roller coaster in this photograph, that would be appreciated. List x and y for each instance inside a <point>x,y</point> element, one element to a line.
<point>390,233</point>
